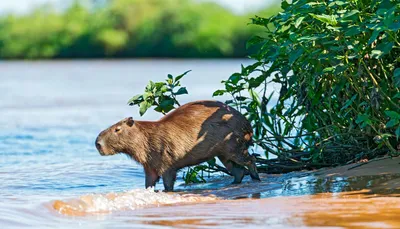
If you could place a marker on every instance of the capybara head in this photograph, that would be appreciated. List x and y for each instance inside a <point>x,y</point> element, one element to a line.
<point>114,139</point>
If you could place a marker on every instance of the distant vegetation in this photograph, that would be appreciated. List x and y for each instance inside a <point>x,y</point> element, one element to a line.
<point>128,28</point>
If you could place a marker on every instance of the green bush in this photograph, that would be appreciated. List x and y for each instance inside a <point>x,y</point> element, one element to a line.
<point>338,67</point>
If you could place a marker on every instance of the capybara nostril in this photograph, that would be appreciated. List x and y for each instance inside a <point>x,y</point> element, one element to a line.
<point>98,146</point>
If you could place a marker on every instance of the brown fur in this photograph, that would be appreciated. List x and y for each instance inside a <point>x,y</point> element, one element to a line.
<point>193,133</point>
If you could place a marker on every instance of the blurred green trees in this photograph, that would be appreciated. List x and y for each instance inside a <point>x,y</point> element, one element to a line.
<point>128,28</point>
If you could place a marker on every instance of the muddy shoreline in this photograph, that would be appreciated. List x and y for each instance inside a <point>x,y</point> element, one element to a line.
<point>379,176</point>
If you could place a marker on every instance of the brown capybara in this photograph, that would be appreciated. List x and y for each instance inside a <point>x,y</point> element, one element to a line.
<point>193,133</point>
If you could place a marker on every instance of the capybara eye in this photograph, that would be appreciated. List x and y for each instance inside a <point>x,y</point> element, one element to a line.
<point>117,129</point>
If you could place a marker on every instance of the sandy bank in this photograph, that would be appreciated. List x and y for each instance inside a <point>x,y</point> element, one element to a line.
<point>379,175</point>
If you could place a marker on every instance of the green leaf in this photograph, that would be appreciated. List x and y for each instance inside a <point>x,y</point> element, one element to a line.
<point>350,13</point>
<point>144,106</point>
<point>235,77</point>
<point>349,102</point>
<point>397,96</point>
<point>181,91</point>
<point>296,54</point>
<point>392,123</point>
<point>328,19</point>
<point>394,26</point>
<point>218,93</point>
<point>398,133</point>
<point>298,21</point>
<point>373,37</point>
<point>396,76</point>
<point>164,89</point>
<point>241,98</point>
<point>159,85</point>
<point>147,95</point>
<point>308,38</point>
<point>170,76</point>
<point>167,105</point>
<point>328,69</point>
<point>376,54</point>
<point>254,40</point>
<point>257,81</point>
<point>135,100</point>
<point>389,16</point>
<point>385,47</point>
<point>354,30</point>
<point>182,75</point>
<point>333,28</point>
<point>150,86</point>
<point>285,5</point>
<point>363,120</point>
<point>315,3</point>
<point>392,114</point>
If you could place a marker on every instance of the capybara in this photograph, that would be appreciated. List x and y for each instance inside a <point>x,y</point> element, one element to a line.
<point>193,133</point>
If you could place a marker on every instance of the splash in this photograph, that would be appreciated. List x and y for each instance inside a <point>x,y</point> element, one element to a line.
<point>129,200</point>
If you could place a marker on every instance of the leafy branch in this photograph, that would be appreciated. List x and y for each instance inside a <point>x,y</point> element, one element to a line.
<point>161,95</point>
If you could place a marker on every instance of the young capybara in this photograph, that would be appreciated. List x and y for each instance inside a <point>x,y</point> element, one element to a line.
<point>193,133</point>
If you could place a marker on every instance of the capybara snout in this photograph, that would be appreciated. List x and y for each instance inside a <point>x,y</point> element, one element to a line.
<point>110,141</point>
<point>193,133</point>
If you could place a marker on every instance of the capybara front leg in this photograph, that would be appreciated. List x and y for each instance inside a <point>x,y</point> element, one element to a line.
<point>169,178</point>
<point>151,177</point>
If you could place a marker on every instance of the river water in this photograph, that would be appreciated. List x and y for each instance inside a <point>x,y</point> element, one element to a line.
<point>53,177</point>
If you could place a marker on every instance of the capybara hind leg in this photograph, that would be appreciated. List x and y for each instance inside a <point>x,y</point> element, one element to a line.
<point>245,159</point>
<point>227,163</point>
<point>169,178</point>
<point>253,172</point>
<point>151,177</point>
<point>237,171</point>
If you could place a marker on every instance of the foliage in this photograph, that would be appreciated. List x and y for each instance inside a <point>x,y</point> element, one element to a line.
<point>338,68</point>
<point>162,95</point>
<point>194,174</point>
<point>126,28</point>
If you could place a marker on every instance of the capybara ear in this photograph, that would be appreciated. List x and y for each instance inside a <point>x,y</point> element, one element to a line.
<point>130,121</point>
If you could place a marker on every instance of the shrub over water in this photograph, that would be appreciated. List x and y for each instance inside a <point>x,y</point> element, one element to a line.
<point>338,67</point>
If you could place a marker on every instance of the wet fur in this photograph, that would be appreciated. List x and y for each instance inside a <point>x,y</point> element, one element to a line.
<point>191,134</point>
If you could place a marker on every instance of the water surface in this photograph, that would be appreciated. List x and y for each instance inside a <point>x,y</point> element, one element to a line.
<point>53,177</point>
<point>50,115</point>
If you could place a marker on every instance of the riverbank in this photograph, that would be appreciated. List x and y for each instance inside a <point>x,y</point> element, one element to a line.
<point>375,175</point>
<point>360,195</point>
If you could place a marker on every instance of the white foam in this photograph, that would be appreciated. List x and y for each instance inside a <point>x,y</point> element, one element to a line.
<point>129,200</point>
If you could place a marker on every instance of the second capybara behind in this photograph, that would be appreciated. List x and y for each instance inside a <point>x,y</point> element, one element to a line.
<point>193,133</point>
